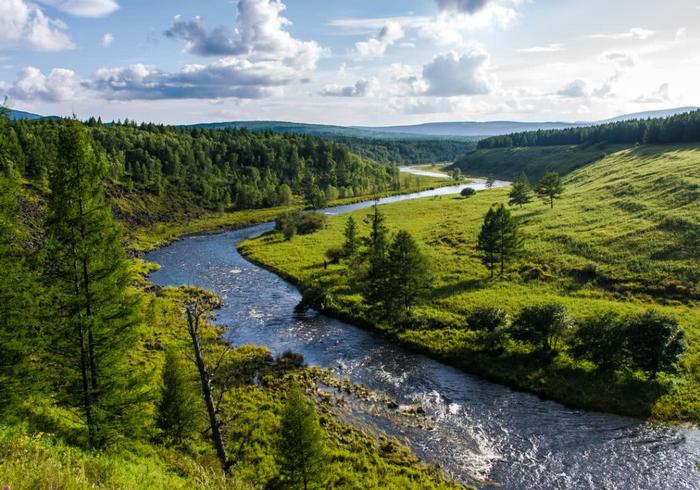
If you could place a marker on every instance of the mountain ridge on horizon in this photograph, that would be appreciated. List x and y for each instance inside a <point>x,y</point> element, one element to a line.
<point>430,130</point>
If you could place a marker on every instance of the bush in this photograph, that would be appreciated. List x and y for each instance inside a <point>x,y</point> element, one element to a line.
<point>291,224</point>
<point>600,340</point>
<point>542,325</point>
<point>467,192</point>
<point>487,318</point>
<point>655,342</point>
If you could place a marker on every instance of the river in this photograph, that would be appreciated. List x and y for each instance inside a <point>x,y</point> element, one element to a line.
<point>476,430</point>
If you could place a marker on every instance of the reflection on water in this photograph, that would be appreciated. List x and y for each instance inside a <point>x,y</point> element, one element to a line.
<point>474,429</point>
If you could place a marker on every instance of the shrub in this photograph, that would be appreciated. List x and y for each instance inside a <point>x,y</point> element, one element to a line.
<point>487,318</point>
<point>655,342</point>
<point>467,192</point>
<point>542,325</point>
<point>335,254</point>
<point>600,340</point>
<point>291,224</point>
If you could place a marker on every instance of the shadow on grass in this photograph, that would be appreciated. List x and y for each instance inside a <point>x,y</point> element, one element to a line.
<point>448,290</point>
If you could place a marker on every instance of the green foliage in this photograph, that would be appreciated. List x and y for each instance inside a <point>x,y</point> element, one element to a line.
<point>655,342</point>
<point>351,239</point>
<point>95,313</point>
<point>376,244</point>
<point>601,340</point>
<point>499,240</point>
<point>302,223</point>
<point>467,192</point>
<point>520,192</point>
<point>550,187</point>
<point>488,318</point>
<point>544,326</point>
<point>408,275</point>
<point>301,448</point>
<point>178,412</point>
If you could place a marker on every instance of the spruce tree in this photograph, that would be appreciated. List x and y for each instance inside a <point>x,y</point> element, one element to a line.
<point>19,335</point>
<point>301,449</point>
<point>96,313</point>
<point>408,274</point>
<point>520,192</point>
<point>550,187</point>
<point>376,243</point>
<point>499,240</point>
<point>350,245</point>
<point>177,409</point>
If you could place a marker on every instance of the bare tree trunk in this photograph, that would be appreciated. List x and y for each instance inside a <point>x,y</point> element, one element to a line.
<point>193,317</point>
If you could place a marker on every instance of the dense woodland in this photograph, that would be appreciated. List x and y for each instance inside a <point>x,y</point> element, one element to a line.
<point>681,128</point>
<point>408,151</point>
<point>206,169</point>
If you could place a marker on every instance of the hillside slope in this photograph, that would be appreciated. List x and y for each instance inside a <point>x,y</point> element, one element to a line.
<point>623,238</point>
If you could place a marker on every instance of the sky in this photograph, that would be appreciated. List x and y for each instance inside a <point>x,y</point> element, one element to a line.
<point>364,62</point>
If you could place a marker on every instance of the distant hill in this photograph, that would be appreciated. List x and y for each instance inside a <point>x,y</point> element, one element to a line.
<point>652,114</point>
<point>17,115</point>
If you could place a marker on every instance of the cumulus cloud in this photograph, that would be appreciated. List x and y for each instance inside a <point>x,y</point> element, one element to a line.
<point>361,88</point>
<point>58,86</point>
<point>577,88</point>
<point>458,17</point>
<point>452,74</point>
<point>259,34</point>
<point>107,39</point>
<point>84,8</point>
<point>622,60</point>
<point>375,47</point>
<point>229,77</point>
<point>22,23</point>
<point>662,94</point>
<point>634,33</point>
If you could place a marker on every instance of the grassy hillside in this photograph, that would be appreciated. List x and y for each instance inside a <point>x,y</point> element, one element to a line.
<point>624,237</point>
<point>509,163</point>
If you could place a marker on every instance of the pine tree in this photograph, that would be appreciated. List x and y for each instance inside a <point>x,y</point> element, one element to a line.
<point>550,187</point>
<point>377,243</point>
<point>499,240</point>
<point>408,273</point>
<point>177,409</point>
<point>19,335</point>
<point>520,192</point>
<point>96,313</point>
<point>301,450</point>
<point>350,245</point>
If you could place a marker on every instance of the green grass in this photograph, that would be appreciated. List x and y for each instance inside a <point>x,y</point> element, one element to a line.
<point>535,161</point>
<point>633,217</point>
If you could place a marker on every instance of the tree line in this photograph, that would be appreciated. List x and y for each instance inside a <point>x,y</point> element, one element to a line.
<point>208,169</point>
<point>649,341</point>
<point>680,128</point>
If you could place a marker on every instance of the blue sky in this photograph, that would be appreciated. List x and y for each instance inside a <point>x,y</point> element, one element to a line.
<point>366,62</point>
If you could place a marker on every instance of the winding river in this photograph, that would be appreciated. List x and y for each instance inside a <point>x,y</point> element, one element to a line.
<point>476,430</point>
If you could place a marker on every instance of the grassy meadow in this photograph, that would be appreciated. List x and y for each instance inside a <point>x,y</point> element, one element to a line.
<point>625,236</point>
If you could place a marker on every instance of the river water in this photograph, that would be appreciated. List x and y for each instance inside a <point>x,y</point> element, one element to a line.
<point>476,430</point>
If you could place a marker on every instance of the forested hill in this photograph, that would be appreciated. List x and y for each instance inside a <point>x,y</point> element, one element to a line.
<point>178,170</point>
<point>680,128</point>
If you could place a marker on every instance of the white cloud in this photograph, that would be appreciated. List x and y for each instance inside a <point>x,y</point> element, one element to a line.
<point>634,33</point>
<point>107,39</point>
<point>681,34</point>
<point>468,6</point>
<point>84,8</point>
<point>451,74</point>
<point>621,59</point>
<point>58,86</point>
<point>225,78</point>
<point>548,48</point>
<point>259,35</point>
<point>376,46</point>
<point>361,88</point>
<point>25,24</point>
<point>662,94</point>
